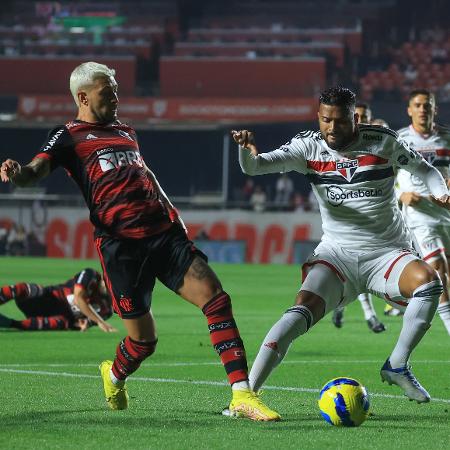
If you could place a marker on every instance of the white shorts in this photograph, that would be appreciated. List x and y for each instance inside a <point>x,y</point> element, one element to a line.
<point>339,276</point>
<point>432,242</point>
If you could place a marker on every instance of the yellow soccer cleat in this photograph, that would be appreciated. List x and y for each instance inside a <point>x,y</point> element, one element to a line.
<point>116,394</point>
<point>245,403</point>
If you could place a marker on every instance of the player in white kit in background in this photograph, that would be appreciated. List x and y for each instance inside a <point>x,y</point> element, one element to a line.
<point>428,221</point>
<point>365,300</point>
<point>366,246</point>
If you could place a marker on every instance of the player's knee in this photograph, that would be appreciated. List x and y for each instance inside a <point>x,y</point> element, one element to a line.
<point>314,303</point>
<point>218,304</point>
<point>429,291</point>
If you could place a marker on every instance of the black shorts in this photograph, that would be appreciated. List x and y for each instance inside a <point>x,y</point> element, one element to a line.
<point>131,266</point>
<point>46,304</point>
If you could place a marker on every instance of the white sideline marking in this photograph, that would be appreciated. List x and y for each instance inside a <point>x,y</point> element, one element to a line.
<point>197,382</point>
<point>211,363</point>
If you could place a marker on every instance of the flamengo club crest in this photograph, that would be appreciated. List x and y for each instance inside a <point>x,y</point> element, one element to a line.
<point>347,168</point>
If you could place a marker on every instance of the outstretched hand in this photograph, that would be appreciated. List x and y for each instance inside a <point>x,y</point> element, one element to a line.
<point>106,327</point>
<point>244,138</point>
<point>9,169</point>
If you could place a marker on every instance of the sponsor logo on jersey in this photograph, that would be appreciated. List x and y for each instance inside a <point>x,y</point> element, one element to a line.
<point>372,137</point>
<point>347,168</point>
<point>336,195</point>
<point>53,140</point>
<point>91,136</point>
<point>125,134</point>
<point>115,159</point>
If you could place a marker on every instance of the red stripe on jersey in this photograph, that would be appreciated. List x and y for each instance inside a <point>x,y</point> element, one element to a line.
<point>443,152</point>
<point>325,263</point>
<point>371,160</point>
<point>330,166</point>
<point>398,302</point>
<point>322,166</point>
<point>98,244</point>
<point>435,253</point>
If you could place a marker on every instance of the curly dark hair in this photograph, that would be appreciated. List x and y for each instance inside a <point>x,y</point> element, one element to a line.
<point>338,96</point>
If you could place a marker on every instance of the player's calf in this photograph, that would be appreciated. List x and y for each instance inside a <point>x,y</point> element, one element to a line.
<point>129,356</point>
<point>225,337</point>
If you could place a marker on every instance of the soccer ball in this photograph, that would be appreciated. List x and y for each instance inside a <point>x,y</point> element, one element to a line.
<point>344,402</point>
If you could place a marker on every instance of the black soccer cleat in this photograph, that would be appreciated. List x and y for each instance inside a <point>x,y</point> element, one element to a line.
<point>338,317</point>
<point>375,325</point>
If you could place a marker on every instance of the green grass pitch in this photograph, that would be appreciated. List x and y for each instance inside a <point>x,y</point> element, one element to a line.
<point>51,393</point>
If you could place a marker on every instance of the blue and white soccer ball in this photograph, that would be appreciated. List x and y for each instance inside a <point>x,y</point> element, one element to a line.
<point>344,402</point>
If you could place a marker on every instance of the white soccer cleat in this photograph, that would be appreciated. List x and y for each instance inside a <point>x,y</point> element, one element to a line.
<point>404,378</point>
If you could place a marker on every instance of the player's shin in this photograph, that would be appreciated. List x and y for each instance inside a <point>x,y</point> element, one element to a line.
<point>416,321</point>
<point>226,340</point>
<point>367,305</point>
<point>294,322</point>
<point>129,356</point>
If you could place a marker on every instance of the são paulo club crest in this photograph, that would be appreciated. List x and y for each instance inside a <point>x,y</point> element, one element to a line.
<point>347,168</point>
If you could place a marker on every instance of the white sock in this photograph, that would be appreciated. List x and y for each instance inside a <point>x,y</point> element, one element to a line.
<point>240,385</point>
<point>444,313</point>
<point>294,322</point>
<point>367,305</point>
<point>416,321</point>
<point>113,378</point>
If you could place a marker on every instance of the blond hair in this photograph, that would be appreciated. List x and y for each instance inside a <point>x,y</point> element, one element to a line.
<point>85,74</point>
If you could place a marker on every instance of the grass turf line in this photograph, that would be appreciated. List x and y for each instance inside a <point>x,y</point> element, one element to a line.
<point>62,412</point>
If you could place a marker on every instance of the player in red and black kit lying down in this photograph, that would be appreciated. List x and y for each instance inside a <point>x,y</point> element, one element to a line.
<point>77,304</point>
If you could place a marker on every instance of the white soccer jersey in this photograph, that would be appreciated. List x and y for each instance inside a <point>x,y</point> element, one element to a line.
<point>435,148</point>
<point>355,186</point>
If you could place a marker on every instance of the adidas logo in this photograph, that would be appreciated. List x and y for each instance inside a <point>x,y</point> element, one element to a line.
<point>91,136</point>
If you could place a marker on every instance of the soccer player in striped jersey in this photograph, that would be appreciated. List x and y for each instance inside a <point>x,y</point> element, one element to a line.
<point>76,304</point>
<point>364,116</point>
<point>139,235</point>
<point>428,221</point>
<point>366,246</point>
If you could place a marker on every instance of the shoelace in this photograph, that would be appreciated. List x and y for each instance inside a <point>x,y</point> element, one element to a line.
<point>411,377</point>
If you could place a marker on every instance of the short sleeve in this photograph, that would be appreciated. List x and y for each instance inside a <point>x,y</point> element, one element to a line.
<point>56,146</point>
<point>88,279</point>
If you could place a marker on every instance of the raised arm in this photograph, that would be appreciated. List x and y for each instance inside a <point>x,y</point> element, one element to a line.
<point>29,175</point>
<point>413,162</point>
<point>286,158</point>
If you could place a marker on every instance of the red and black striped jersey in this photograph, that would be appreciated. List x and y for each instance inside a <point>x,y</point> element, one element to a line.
<point>89,279</point>
<point>104,160</point>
